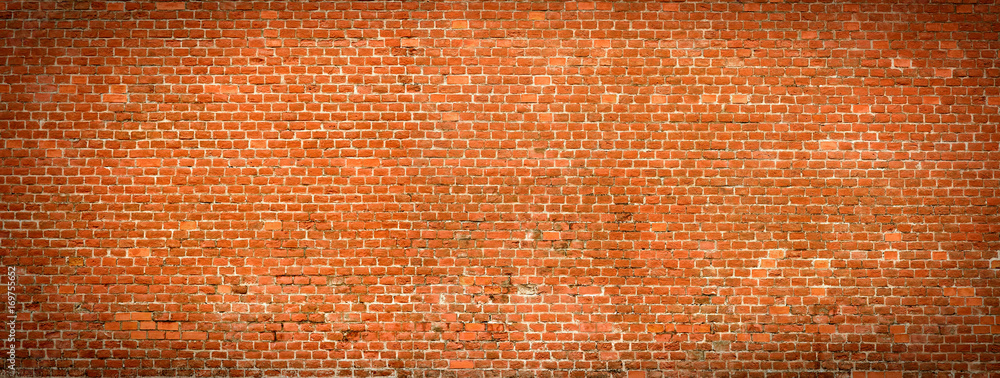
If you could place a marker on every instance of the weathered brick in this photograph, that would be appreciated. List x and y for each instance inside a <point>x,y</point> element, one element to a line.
<point>547,188</point>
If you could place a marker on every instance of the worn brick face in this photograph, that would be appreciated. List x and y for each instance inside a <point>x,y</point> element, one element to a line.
<point>547,188</point>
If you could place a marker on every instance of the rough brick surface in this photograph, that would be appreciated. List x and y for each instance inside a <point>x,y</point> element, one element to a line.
<point>627,189</point>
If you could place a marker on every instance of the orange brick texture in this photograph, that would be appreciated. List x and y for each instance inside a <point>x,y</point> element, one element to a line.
<point>480,189</point>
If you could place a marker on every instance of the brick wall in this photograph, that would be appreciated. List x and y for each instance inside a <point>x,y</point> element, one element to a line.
<point>292,188</point>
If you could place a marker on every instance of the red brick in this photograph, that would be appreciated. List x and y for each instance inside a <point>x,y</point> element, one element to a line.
<point>148,162</point>
<point>170,5</point>
<point>115,98</point>
<point>462,364</point>
<point>194,335</point>
<point>458,80</point>
<point>555,188</point>
<point>829,145</point>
